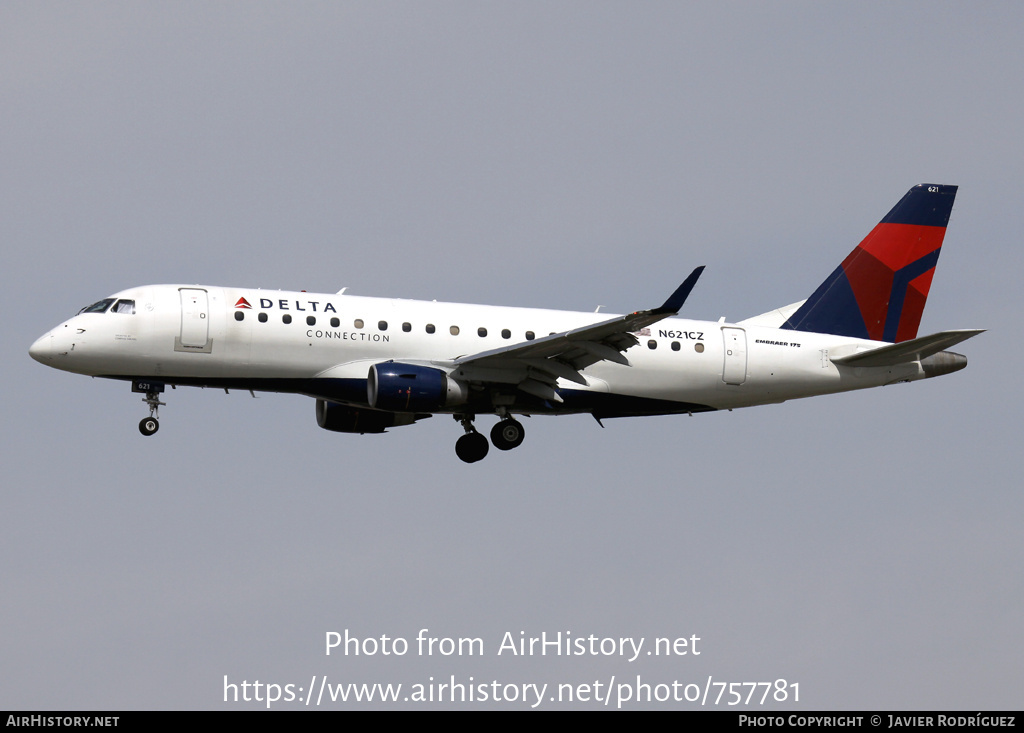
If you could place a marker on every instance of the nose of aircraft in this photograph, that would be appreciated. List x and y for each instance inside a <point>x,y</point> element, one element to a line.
<point>42,349</point>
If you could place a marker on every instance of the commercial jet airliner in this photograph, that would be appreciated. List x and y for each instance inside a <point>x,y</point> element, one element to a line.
<point>377,363</point>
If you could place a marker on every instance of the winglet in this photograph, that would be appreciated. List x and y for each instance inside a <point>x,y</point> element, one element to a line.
<point>676,300</point>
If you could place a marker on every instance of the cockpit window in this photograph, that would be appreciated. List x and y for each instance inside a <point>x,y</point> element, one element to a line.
<point>100,307</point>
<point>124,306</point>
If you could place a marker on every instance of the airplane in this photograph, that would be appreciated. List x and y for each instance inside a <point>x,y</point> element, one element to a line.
<point>377,363</point>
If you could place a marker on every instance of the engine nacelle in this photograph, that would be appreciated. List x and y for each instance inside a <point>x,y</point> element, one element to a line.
<point>412,388</point>
<point>345,419</point>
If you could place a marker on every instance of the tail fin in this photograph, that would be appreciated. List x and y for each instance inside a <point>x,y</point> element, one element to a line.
<point>879,290</point>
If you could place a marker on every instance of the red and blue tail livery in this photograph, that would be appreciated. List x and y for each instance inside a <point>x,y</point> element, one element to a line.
<point>879,290</point>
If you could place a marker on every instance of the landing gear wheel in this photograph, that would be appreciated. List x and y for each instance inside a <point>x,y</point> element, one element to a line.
<point>507,434</point>
<point>471,447</point>
<point>151,424</point>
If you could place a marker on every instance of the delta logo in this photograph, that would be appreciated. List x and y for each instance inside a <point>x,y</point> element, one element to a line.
<point>316,306</point>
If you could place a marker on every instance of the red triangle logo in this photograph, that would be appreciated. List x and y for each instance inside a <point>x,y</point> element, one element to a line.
<point>242,303</point>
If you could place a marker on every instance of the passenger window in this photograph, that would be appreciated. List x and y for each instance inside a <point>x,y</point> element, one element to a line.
<point>124,306</point>
<point>530,336</point>
<point>358,323</point>
<point>430,328</point>
<point>698,347</point>
<point>382,325</point>
<point>286,318</point>
<point>407,327</point>
<point>675,346</point>
<point>652,344</point>
<point>506,334</point>
<point>310,320</point>
<point>481,332</point>
<point>262,317</point>
<point>454,330</point>
<point>239,315</point>
<point>335,323</point>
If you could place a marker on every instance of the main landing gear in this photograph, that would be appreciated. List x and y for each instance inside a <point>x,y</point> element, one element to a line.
<point>507,434</point>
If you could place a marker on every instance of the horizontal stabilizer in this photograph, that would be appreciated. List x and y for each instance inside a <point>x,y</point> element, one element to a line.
<point>907,351</point>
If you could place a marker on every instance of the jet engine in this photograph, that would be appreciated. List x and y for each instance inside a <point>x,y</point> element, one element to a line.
<point>345,419</point>
<point>412,388</point>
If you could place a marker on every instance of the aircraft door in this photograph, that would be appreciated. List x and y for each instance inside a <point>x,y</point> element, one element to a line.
<point>734,370</point>
<point>195,321</point>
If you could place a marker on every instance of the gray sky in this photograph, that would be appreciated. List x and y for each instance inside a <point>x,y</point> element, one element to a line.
<point>565,155</point>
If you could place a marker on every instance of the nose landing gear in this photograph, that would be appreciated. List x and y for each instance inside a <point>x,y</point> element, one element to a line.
<point>149,425</point>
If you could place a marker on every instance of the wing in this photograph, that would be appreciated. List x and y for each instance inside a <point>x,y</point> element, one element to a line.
<point>535,366</point>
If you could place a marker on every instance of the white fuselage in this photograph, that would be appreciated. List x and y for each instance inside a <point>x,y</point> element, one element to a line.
<point>295,341</point>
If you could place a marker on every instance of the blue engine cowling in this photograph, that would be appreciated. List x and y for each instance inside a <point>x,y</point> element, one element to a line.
<point>345,419</point>
<point>412,388</point>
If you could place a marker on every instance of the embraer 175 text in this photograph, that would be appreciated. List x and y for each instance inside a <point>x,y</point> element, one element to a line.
<point>377,363</point>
